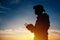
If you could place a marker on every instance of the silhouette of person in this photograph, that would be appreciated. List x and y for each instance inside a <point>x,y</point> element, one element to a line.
<point>42,24</point>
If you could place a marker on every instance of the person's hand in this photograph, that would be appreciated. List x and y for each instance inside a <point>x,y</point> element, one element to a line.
<point>29,26</point>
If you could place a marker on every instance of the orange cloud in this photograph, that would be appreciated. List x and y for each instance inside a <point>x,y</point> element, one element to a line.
<point>23,34</point>
<point>54,34</point>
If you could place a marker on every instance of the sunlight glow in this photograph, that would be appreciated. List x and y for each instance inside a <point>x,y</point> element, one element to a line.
<point>23,34</point>
<point>32,35</point>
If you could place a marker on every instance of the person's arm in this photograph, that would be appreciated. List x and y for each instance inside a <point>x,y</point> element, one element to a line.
<point>30,27</point>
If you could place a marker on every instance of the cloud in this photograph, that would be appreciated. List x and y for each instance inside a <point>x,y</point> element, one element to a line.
<point>15,1</point>
<point>54,31</point>
<point>3,12</point>
<point>0,19</point>
<point>22,32</point>
<point>54,34</point>
<point>2,7</point>
<point>14,32</point>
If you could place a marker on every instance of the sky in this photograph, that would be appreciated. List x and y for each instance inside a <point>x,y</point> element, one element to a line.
<point>15,13</point>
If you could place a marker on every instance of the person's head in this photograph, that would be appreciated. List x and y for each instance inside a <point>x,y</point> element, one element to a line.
<point>39,9</point>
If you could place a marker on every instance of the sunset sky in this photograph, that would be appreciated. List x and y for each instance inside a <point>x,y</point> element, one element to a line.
<point>15,13</point>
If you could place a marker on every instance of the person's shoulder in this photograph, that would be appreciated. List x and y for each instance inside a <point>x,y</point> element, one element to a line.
<point>45,14</point>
